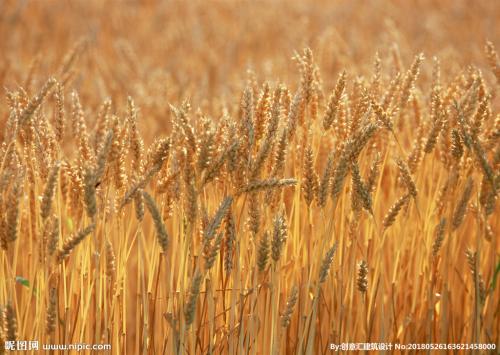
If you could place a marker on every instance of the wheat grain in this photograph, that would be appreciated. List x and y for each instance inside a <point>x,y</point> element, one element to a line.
<point>190,308</point>
<point>49,191</point>
<point>36,101</point>
<point>290,304</point>
<point>439,237</point>
<point>393,212</point>
<point>50,322</point>
<point>229,240</point>
<point>459,214</point>
<point>161,230</point>
<point>280,235</point>
<point>326,264</point>
<point>333,102</point>
<point>310,178</point>
<point>70,243</point>
<point>362,281</point>
<point>263,252</point>
<point>268,184</point>
<point>9,323</point>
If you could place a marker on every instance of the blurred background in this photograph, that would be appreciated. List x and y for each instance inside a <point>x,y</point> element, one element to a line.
<point>199,49</point>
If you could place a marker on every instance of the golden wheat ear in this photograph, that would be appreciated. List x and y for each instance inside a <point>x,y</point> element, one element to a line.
<point>70,243</point>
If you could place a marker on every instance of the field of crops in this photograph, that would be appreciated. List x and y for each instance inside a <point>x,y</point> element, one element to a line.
<point>233,177</point>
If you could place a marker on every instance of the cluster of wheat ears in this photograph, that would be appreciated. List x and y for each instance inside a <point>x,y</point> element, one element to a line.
<point>280,220</point>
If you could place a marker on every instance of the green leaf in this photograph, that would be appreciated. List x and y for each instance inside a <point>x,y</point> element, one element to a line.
<point>495,275</point>
<point>69,222</point>
<point>21,280</point>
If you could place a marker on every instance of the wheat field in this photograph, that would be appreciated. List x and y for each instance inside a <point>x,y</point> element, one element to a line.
<point>263,177</point>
